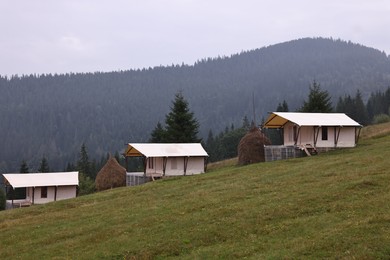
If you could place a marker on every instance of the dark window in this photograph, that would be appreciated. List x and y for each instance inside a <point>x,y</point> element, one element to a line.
<point>150,163</point>
<point>324,133</point>
<point>173,163</point>
<point>43,192</point>
<point>295,133</point>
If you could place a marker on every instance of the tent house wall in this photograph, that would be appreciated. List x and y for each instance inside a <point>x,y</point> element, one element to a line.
<point>175,166</point>
<point>47,194</point>
<point>160,160</point>
<point>43,187</point>
<point>317,131</point>
<point>319,137</point>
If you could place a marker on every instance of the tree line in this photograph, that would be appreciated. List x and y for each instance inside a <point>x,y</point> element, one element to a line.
<point>54,114</point>
<point>181,126</point>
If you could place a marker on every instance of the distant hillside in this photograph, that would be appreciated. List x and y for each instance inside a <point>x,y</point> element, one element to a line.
<point>53,115</point>
<point>331,206</point>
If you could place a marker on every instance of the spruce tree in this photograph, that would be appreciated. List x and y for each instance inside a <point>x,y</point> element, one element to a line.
<point>181,125</point>
<point>83,164</point>
<point>24,167</point>
<point>158,134</point>
<point>282,107</point>
<point>44,165</point>
<point>360,110</point>
<point>318,100</point>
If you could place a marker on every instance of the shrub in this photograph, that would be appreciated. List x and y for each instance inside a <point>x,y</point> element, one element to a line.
<point>2,200</point>
<point>381,118</point>
<point>86,185</point>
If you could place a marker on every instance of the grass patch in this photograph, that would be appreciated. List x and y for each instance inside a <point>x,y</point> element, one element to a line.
<point>335,205</point>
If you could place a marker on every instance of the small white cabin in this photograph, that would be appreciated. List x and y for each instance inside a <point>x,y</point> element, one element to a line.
<point>319,131</point>
<point>168,159</point>
<point>43,187</point>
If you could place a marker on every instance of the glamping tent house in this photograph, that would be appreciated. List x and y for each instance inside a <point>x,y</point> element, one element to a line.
<point>43,187</point>
<point>162,159</point>
<point>310,132</point>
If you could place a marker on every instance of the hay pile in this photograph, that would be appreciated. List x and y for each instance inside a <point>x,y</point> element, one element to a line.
<point>251,147</point>
<point>112,175</point>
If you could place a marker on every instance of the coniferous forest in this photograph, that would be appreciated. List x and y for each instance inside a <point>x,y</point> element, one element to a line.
<point>52,116</point>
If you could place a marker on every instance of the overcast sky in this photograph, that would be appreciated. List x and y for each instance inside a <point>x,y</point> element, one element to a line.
<point>61,36</point>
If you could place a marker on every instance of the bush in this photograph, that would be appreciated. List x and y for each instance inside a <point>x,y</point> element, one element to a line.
<point>86,185</point>
<point>2,200</point>
<point>381,118</point>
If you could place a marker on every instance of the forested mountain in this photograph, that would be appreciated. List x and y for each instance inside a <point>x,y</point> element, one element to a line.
<point>52,115</point>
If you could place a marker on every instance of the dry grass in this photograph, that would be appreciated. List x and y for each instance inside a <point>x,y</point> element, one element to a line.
<point>373,131</point>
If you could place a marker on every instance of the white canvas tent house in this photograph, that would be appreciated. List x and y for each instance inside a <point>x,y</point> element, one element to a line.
<point>162,159</point>
<point>316,131</point>
<point>43,187</point>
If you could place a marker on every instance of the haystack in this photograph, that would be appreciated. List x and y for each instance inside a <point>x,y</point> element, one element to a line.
<point>112,175</point>
<point>251,147</point>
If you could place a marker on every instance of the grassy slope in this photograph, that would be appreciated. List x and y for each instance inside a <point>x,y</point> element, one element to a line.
<point>334,205</point>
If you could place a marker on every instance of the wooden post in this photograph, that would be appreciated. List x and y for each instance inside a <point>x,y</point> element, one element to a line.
<point>185,165</point>
<point>33,195</point>
<point>12,196</point>
<point>55,193</point>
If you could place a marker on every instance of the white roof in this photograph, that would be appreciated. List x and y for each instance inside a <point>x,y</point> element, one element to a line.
<point>18,180</point>
<point>165,150</point>
<point>279,119</point>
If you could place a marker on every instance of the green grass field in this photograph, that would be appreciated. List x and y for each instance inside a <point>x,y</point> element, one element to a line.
<point>334,205</point>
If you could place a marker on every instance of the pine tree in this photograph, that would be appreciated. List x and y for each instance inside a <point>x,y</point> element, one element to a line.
<point>318,100</point>
<point>158,134</point>
<point>360,110</point>
<point>181,125</point>
<point>70,167</point>
<point>44,165</point>
<point>83,164</point>
<point>282,107</point>
<point>245,123</point>
<point>24,167</point>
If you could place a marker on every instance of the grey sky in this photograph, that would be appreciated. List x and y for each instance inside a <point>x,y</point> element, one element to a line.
<point>60,36</point>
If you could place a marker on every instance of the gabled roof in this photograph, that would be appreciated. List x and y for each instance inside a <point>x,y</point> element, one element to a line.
<point>165,150</point>
<point>19,180</point>
<point>279,119</point>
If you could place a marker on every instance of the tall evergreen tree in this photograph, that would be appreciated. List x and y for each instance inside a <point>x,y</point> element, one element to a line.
<point>353,107</point>
<point>282,107</point>
<point>181,125</point>
<point>245,123</point>
<point>158,134</point>
<point>44,165</point>
<point>24,167</point>
<point>83,164</point>
<point>318,100</point>
<point>360,111</point>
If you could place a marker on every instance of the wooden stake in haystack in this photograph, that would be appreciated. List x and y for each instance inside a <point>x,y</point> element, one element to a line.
<point>112,175</point>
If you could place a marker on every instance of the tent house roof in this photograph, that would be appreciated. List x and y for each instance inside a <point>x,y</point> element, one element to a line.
<point>19,180</point>
<point>279,119</point>
<point>165,150</point>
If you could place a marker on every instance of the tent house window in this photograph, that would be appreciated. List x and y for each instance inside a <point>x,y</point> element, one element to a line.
<point>174,163</point>
<point>295,136</point>
<point>43,192</point>
<point>324,131</point>
<point>150,163</point>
